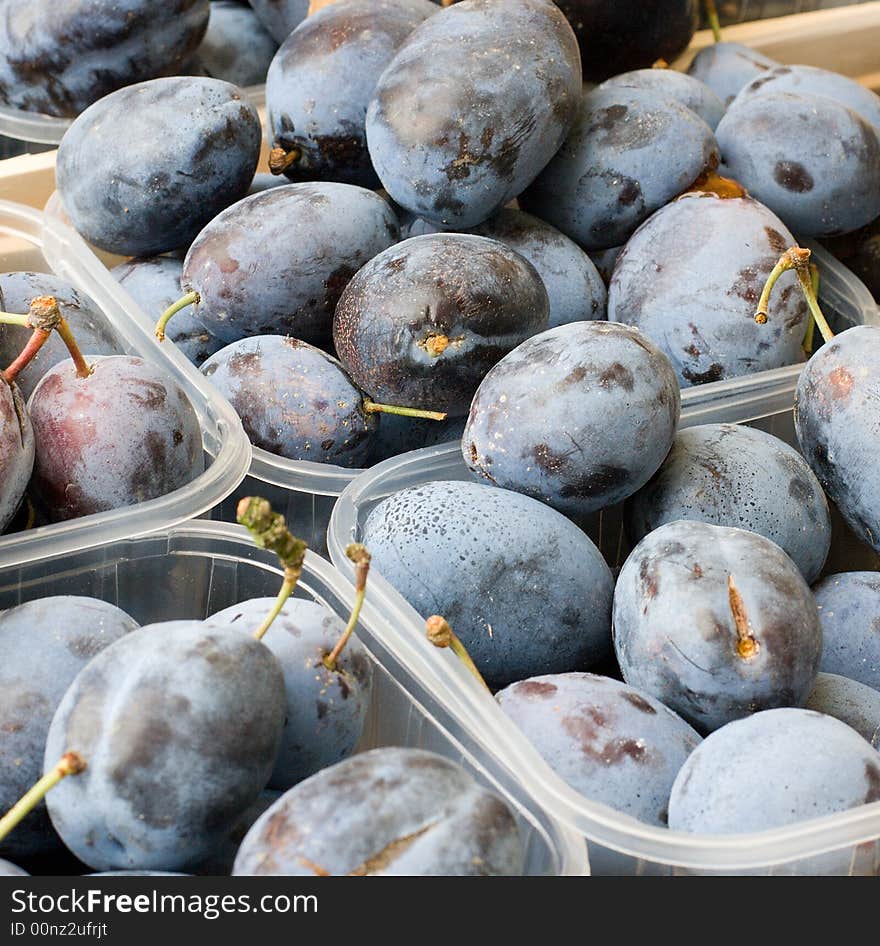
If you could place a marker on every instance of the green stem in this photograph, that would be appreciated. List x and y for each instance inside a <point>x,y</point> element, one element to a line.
<point>191,298</point>
<point>69,764</point>
<point>291,577</point>
<point>11,318</point>
<point>370,407</point>
<point>361,558</point>
<point>803,275</point>
<point>83,370</point>
<point>714,22</point>
<point>811,324</point>
<point>440,634</point>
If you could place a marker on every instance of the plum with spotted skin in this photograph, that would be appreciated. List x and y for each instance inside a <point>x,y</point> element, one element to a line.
<point>716,623</point>
<point>853,703</point>
<point>17,450</point>
<point>630,152</point>
<point>280,17</point>
<point>849,610</point>
<point>526,590</point>
<point>610,742</point>
<point>43,645</point>
<point>737,476</point>
<point>579,417</point>
<point>692,93</point>
<point>726,67</point>
<point>387,812</point>
<point>690,278</point>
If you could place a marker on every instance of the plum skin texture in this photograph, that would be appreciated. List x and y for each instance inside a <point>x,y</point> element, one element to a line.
<point>387,812</point>
<point>849,611</point>
<point>579,417</point>
<point>695,665</point>
<point>726,67</point>
<point>17,450</point>
<point>853,703</point>
<point>236,48</point>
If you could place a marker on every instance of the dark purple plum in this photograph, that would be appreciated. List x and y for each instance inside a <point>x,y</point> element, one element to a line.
<point>276,263</point>
<point>740,477</point>
<point>197,145</point>
<point>580,417</point>
<point>326,709</point>
<point>125,434</point>
<point>280,17</point>
<point>321,82</point>
<point>43,645</point>
<point>630,152</point>
<point>727,67</point>
<point>690,278</point>
<point>16,451</point>
<point>87,322</point>
<point>154,284</point>
<point>59,58</point>
<point>604,261</point>
<point>525,590</point>
<point>454,137</point>
<point>837,421</point>
<point>851,702</point>
<point>219,863</point>
<point>398,435</point>
<point>810,159</point>
<point>237,48</point>
<point>610,742</point>
<point>716,623</point>
<point>849,610</point>
<point>387,812</point>
<point>294,400</point>
<point>422,323</point>
<point>179,725</point>
<point>691,92</point>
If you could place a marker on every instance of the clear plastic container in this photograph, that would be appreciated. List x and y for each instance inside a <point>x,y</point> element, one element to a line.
<point>845,843</point>
<point>192,571</point>
<point>29,241</point>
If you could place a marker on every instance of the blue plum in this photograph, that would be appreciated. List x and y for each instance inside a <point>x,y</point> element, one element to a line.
<point>43,646</point>
<point>604,261</point>
<point>198,141</point>
<point>236,48</point>
<point>11,870</point>
<point>398,435</point>
<point>221,860</point>
<point>810,159</point>
<point>276,262</point>
<point>455,151</point>
<point>265,182</point>
<point>526,590</point>
<point>630,152</point>
<point>280,16</point>
<point>727,67</point>
<point>849,609</point>
<point>326,709</point>
<point>740,477</point>
<point>716,623</point>
<point>387,812</point>
<point>17,450</point>
<point>851,702</point>
<point>321,82</point>
<point>179,725</point>
<point>610,742</point>
<point>580,417</point>
<point>691,92</point>
<point>690,278</point>
<point>59,58</point>
<point>422,323</point>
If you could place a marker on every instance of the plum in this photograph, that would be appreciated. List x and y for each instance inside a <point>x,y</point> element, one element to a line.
<point>60,57</point>
<point>849,610</point>
<point>422,323</point>
<point>716,623</point>
<point>696,95</point>
<point>17,450</point>
<point>387,812</point>
<point>43,645</point>
<point>398,435</point>
<point>454,137</point>
<point>525,589</point>
<point>236,48</point>
<point>629,153</point>
<point>610,742</point>
<point>730,475</point>
<point>851,702</point>
<point>280,16</point>
<point>11,870</point>
<point>726,67</point>
<point>691,277</point>
<point>580,417</point>
<point>145,168</point>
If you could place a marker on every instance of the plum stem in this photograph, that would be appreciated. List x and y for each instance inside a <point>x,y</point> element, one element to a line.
<point>69,764</point>
<point>798,259</point>
<point>440,634</point>
<point>44,317</point>
<point>746,645</point>
<point>712,17</point>
<point>83,369</point>
<point>371,407</point>
<point>280,159</point>
<point>26,355</point>
<point>811,324</point>
<point>12,318</point>
<point>358,554</point>
<point>269,531</point>
<point>191,298</point>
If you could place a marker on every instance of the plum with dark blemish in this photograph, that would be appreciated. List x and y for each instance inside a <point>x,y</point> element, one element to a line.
<point>849,611</point>
<point>321,82</point>
<point>630,152</point>
<point>454,137</point>
<point>17,450</point>
<point>690,278</point>
<point>154,284</point>
<point>727,67</point>
<point>691,92</point>
<point>853,703</point>
<point>716,623</point>
<point>59,58</point>
<point>398,435</point>
<point>326,709</point>
<point>810,159</point>
<point>144,169</point>
<point>236,48</point>
<point>387,812</point>
<point>180,726</point>
<point>579,417</point>
<point>610,742</point>
<point>123,435</point>
<point>525,589</point>
<point>43,645</point>
<point>737,476</point>
<point>837,422</point>
<point>422,322</point>
<point>280,17</point>
<point>277,262</point>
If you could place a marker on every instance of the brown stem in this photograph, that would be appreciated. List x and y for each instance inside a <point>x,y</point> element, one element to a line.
<point>26,355</point>
<point>361,558</point>
<point>440,634</point>
<point>280,159</point>
<point>746,644</point>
